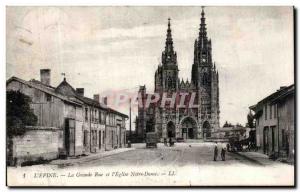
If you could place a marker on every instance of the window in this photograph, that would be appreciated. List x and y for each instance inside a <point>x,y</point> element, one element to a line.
<point>170,82</point>
<point>103,137</point>
<point>48,97</point>
<point>110,120</point>
<point>284,139</point>
<point>100,116</point>
<point>205,79</point>
<point>266,113</point>
<point>271,106</point>
<point>85,138</point>
<point>92,115</point>
<point>112,138</point>
<point>99,139</point>
<point>275,111</point>
<point>86,114</point>
<point>96,137</point>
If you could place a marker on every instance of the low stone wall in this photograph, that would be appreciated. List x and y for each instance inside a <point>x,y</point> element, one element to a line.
<point>37,144</point>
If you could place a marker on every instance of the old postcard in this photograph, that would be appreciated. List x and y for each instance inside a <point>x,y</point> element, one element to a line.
<point>150,96</point>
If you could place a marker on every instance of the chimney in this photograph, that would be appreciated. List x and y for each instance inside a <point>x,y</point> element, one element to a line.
<point>80,91</point>
<point>45,76</point>
<point>97,97</point>
<point>282,87</point>
<point>105,100</point>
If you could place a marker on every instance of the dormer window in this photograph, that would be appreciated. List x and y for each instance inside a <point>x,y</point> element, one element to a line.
<point>48,97</point>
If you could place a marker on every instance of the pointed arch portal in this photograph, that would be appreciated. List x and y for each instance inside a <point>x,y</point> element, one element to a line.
<point>188,128</point>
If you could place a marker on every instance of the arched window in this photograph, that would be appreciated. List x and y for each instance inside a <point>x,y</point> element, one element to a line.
<point>204,79</point>
<point>170,82</point>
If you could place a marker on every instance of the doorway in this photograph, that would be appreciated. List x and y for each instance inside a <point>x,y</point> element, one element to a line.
<point>265,140</point>
<point>188,128</point>
<point>99,139</point>
<point>70,137</point>
<point>273,138</point>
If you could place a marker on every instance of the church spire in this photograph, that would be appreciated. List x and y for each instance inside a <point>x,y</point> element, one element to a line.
<point>169,40</point>
<point>202,32</point>
<point>169,55</point>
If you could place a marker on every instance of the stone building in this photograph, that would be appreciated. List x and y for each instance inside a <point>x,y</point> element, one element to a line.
<point>274,119</point>
<point>103,127</point>
<point>69,124</point>
<point>195,121</point>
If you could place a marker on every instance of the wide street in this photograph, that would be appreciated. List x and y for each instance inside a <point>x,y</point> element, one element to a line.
<point>183,164</point>
<point>181,154</point>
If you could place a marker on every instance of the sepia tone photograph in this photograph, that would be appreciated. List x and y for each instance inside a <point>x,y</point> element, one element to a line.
<point>176,96</point>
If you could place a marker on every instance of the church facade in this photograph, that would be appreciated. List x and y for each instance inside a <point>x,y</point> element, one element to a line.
<point>185,109</point>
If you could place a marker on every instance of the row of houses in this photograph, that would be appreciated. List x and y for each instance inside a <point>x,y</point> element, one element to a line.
<point>275,123</point>
<point>69,124</point>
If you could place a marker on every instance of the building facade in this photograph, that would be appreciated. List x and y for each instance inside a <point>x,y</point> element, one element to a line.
<point>274,121</point>
<point>182,120</point>
<point>286,122</point>
<point>69,124</point>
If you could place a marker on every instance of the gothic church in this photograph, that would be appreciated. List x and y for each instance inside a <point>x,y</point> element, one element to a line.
<point>187,122</point>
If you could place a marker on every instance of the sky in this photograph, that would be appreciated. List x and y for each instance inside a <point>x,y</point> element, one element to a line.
<point>119,48</point>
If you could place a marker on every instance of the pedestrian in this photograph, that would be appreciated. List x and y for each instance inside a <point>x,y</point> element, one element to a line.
<point>216,151</point>
<point>165,142</point>
<point>223,152</point>
<point>128,144</point>
<point>227,146</point>
<point>171,142</point>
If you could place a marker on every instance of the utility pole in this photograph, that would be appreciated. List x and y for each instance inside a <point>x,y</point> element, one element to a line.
<point>130,119</point>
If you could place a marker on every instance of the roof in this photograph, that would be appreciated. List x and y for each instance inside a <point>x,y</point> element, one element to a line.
<point>44,88</point>
<point>70,95</point>
<point>288,91</point>
<point>117,112</point>
<point>65,88</point>
<point>42,84</point>
<point>87,100</point>
<point>97,104</point>
<point>259,106</point>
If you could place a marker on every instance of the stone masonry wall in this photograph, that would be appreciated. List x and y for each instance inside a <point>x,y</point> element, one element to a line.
<point>38,143</point>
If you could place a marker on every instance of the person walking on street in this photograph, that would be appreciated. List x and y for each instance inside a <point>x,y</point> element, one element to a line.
<point>165,142</point>
<point>215,151</point>
<point>170,142</point>
<point>223,152</point>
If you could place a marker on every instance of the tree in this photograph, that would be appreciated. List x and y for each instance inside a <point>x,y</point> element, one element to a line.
<point>250,120</point>
<point>18,113</point>
<point>238,125</point>
<point>226,124</point>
